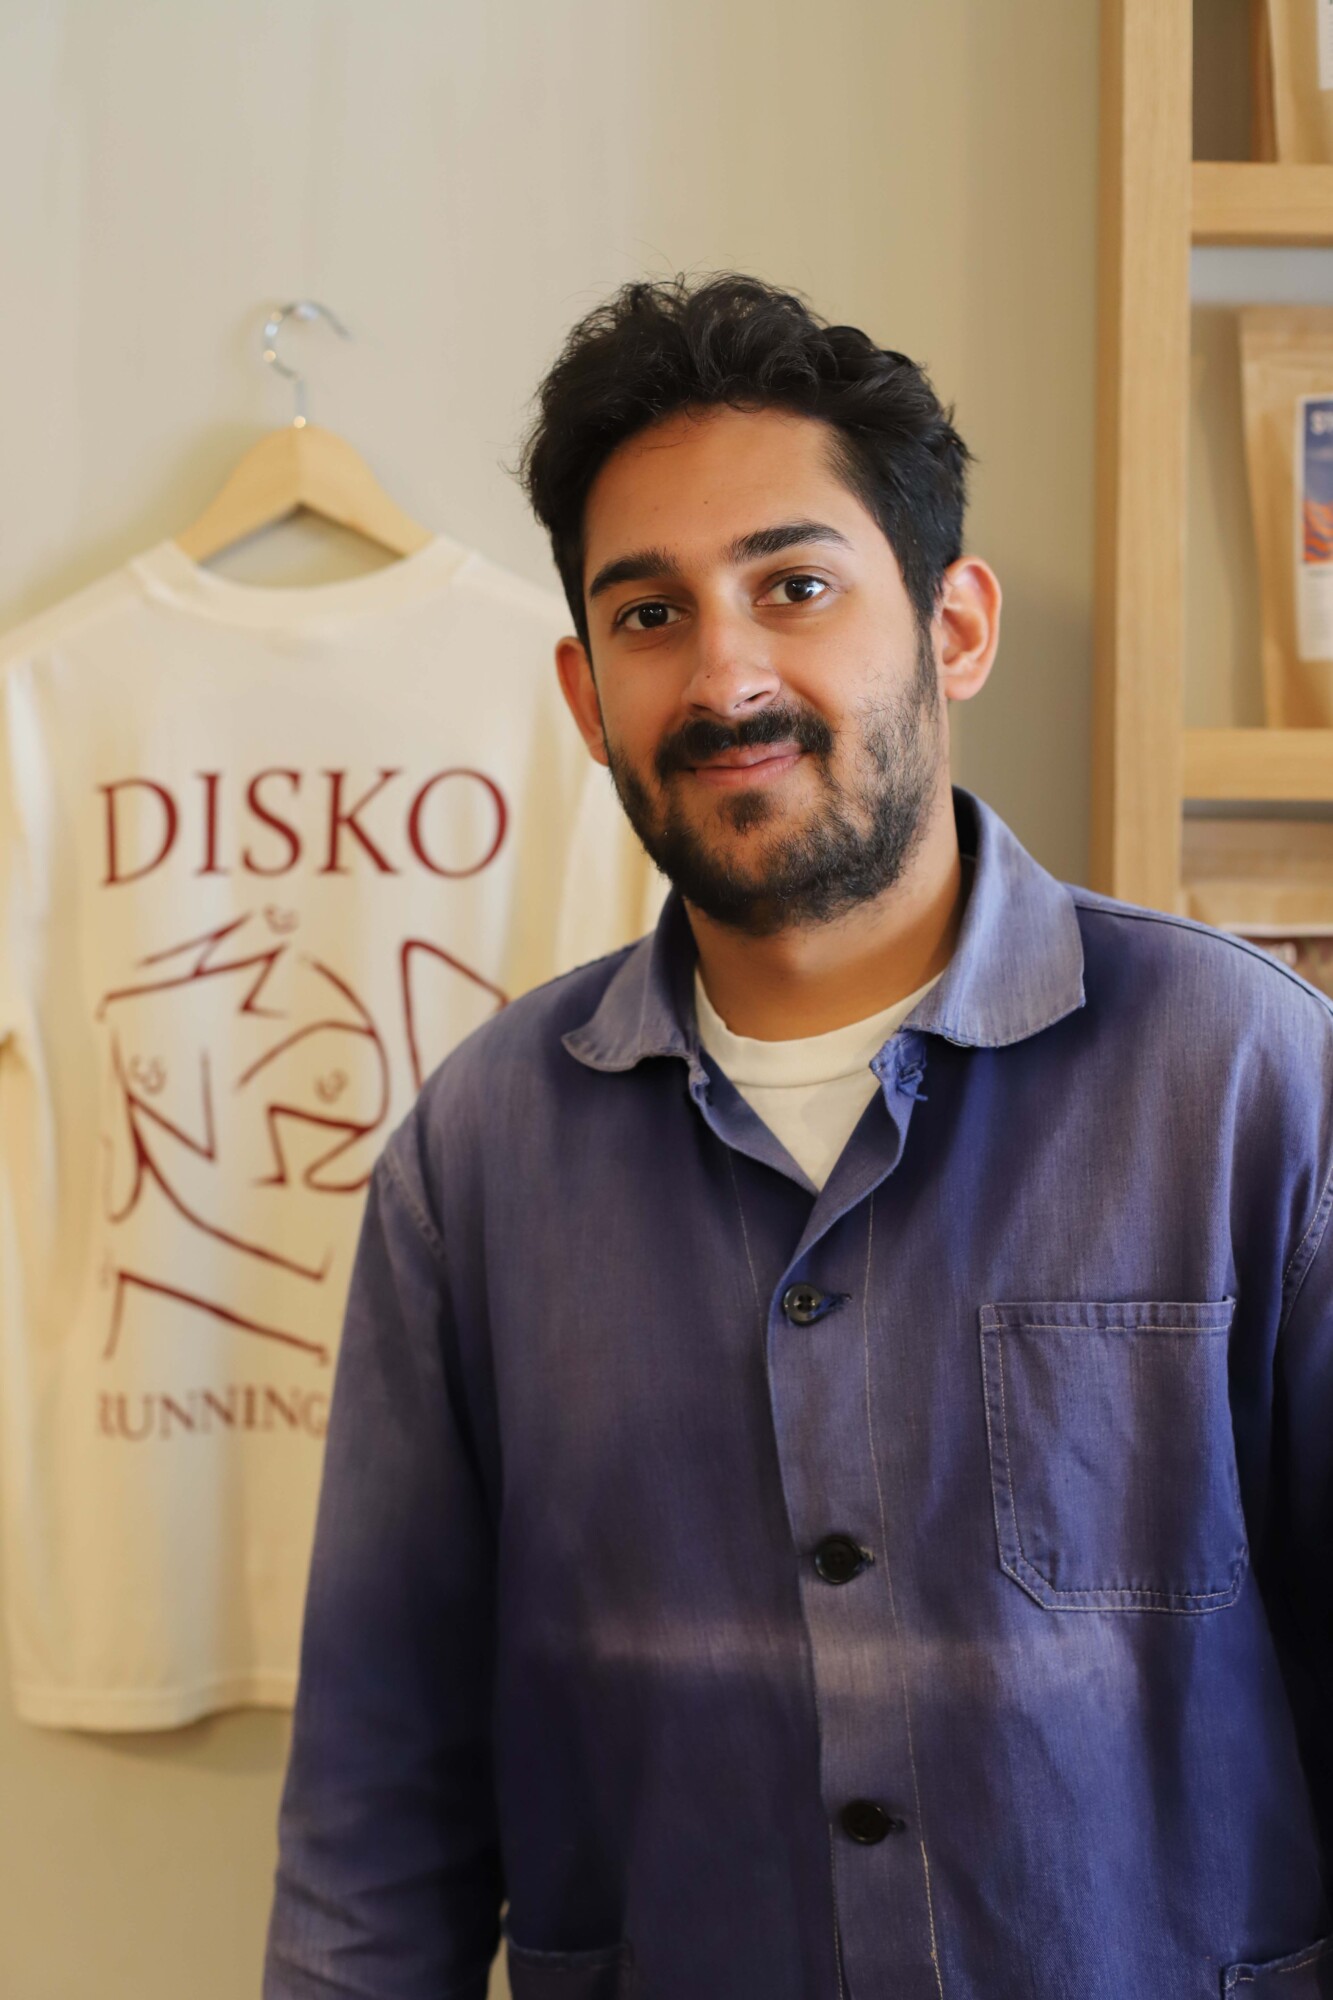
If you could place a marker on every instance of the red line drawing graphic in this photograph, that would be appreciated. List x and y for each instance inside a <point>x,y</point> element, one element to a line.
<point>212,940</point>
<point>245,1071</point>
<point>146,1168</point>
<point>125,1280</point>
<point>172,1146</point>
<point>148,1075</point>
<point>353,1129</point>
<point>409,947</point>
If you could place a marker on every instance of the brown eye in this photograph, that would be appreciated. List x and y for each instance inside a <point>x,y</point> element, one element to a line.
<point>647,617</point>
<point>796,590</point>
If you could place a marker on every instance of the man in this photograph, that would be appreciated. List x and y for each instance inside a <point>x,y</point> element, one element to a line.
<point>830,1477</point>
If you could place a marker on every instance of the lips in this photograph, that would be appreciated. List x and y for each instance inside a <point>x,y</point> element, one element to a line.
<point>749,767</point>
<point>742,759</point>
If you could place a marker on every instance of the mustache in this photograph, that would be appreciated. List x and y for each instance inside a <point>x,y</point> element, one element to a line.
<point>699,741</point>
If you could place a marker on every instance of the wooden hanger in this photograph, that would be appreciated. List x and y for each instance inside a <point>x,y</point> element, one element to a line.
<point>301,466</point>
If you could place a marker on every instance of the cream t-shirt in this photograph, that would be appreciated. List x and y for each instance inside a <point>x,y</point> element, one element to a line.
<point>266,855</point>
<point>810,1092</point>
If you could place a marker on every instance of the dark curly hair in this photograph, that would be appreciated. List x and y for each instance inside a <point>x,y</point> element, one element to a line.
<point>655,348</point>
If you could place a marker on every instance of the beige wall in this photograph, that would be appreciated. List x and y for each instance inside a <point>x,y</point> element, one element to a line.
<point>459,182</point>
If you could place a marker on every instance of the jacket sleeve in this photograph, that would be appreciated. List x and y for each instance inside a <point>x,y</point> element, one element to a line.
<point>1300,1539</point>
<point>389,1880</point>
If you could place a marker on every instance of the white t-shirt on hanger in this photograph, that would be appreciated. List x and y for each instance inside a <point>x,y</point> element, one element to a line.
<point>266,855</point>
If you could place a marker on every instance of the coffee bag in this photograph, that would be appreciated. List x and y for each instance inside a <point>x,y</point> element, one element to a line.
<point>1287,392</point>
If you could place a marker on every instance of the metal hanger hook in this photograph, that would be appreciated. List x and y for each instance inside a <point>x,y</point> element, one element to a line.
<point>303,309</point>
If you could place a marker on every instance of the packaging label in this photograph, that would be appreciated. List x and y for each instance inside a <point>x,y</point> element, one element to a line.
<point>1323,10</point>
<point>1314,527</point>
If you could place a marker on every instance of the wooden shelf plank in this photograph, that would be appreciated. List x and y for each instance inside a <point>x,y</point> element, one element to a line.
<point>1244,201</point>
<point>1259,764</point>
<point>1142,449</point>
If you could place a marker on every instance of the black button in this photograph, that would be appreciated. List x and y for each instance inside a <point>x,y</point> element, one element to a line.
<point>802,1304</point>
<point>868,1822</point>
<point>838,1558</point>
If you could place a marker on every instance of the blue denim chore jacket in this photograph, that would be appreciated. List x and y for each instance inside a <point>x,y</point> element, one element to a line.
<point>922,1590</point>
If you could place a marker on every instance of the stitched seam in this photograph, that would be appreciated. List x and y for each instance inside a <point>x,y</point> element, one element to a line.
<point>1122,1604</point>
<point>963,1040</point>
<point>990,1450</point>
<point>1242,945</point>
<point>1319,1219</point>
<point>1138,1326</point>
<point>888,1578</point>
<point>1013,1313</point>
<point>814,1678</point>
<point>837,1938</point>
<point>1141,1593</point>
<point>1298,1964</point>
<point>426,1229</point>
<point>930,1918</point>
<point>1009,1465</point>
<point>569,1961</point>
<point>745,1239</point>
<point>1244,1975</point>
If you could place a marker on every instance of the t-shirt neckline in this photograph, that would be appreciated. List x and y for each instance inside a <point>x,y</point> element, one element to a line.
<point>168,576</point>
<point>809,1060</point>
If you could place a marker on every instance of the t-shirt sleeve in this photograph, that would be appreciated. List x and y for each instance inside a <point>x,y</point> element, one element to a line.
<point>14,919</point>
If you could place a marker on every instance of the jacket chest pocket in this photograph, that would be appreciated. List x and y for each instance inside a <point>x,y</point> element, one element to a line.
<point>1112,1461</point>
<point>1305,1975</point>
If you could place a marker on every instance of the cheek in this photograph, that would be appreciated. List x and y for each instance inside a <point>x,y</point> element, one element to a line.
<point>635,719</point>
<point>861,669</point>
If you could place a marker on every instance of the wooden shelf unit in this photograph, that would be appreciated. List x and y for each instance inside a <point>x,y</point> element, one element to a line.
<point>1155,204</point>
<point>1258,764</point>
<point>1243,201</point>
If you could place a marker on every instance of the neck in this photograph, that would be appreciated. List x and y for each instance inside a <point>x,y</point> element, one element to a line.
<point>811,980</point>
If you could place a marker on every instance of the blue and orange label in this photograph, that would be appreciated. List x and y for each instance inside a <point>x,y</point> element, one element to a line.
<point>1313,525</point>
<point>1316,479</point>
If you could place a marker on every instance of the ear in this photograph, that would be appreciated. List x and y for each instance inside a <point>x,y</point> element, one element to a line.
<point>966,627</point>
<point>580,691</point>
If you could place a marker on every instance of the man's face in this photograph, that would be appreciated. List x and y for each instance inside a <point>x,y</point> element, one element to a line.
<point>769,708</point>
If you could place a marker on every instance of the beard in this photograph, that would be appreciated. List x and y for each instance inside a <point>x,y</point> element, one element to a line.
<point>856,844</point>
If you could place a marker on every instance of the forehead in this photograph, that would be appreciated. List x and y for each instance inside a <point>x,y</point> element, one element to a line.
<point>700,479</point>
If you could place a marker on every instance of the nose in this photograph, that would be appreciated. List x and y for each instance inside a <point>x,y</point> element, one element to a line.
<point>731,673</point>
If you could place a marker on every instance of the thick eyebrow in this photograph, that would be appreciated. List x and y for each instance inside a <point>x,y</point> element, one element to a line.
<point>644,566</point>
<point>648,565</point>
<point>772,541</point>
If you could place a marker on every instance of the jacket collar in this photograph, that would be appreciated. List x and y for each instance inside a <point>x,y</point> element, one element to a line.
<point>1017,967</point>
